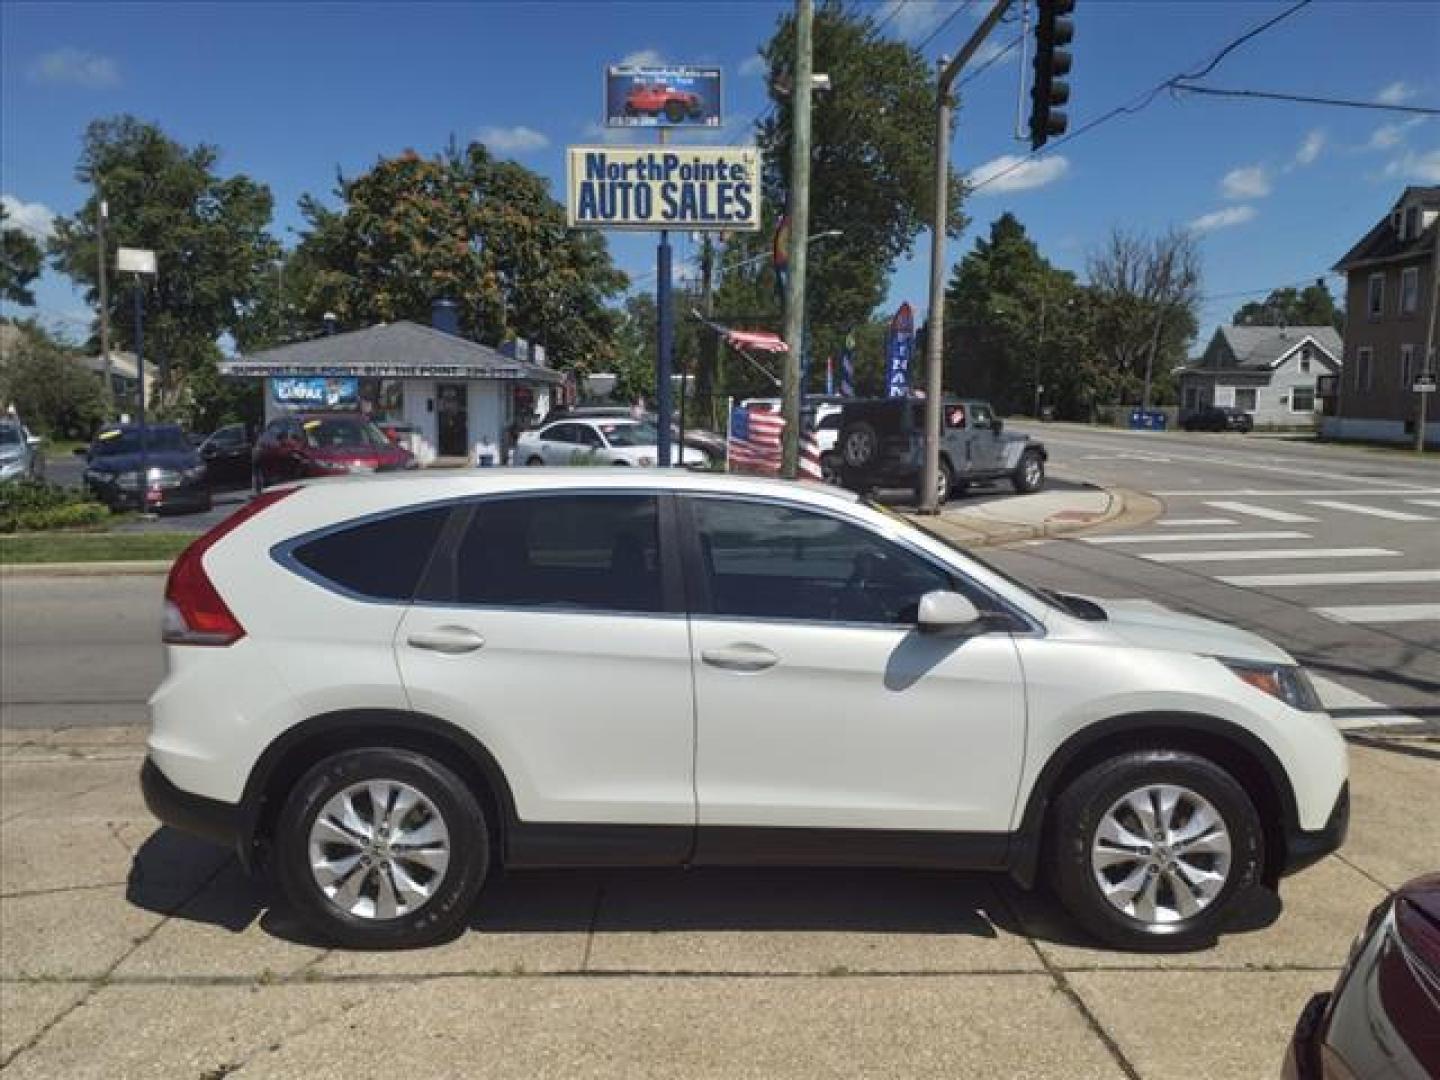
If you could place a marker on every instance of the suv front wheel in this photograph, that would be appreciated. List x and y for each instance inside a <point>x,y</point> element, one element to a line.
<point>1152,849</point>
<point>379,848</point>
<point>1029,475</point>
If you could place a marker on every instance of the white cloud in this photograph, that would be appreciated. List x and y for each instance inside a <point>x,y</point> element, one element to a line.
<point>35,218</point>
<point>1310,148</point>
<point>513,140</point>
<point>1422,168</point>
<point>910,19</point>
<point>76,67</point>
<point>1389,136</point>
<point>1396,93</point>
<point>1223,219</point>
<point>642,58</point>
<point>754,64</point>
<point>1009,172</point>
<point>1246,182</point>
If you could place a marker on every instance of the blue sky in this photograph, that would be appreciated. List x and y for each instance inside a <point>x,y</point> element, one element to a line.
<point>291,92</point>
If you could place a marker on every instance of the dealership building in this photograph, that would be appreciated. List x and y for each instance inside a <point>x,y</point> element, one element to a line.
<point>460,398</point>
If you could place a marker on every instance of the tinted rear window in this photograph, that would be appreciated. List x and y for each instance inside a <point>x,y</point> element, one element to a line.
<point>381,559</point>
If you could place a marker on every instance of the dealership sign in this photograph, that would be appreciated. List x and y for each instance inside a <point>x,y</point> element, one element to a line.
<point>640,95</point>
<point>706,188</point>
<point>316,392</point>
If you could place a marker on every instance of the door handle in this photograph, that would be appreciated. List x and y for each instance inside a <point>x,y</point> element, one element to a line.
<point>740,657</point>
<point>451,640</point>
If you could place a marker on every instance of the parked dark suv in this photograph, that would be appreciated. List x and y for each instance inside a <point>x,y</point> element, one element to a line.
<point>1218,418</point>
<point>882,440</point>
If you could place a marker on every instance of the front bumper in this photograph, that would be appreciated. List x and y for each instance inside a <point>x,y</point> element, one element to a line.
<point>191,498</point>
<point>210,819</point>
<point>1304,849</point>
<point>1302,1059</point>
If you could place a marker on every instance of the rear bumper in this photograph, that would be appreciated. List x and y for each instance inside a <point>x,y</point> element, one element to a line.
<point>210,819</point>
<point>1304,849</point>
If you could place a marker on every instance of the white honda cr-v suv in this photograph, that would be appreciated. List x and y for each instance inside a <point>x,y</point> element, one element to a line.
<point>385,689</point>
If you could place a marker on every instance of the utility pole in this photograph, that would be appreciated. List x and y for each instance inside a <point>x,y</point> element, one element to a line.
<point>1430,364</point>
<point>1040,347</point>
<point>705,377</point>
<point>935,328</point>
<point>801,92</point>
<point>102,211</point>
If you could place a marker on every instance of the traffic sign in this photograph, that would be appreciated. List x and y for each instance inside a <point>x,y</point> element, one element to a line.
<point>1424,383</point>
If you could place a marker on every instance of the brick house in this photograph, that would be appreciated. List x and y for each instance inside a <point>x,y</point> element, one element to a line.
<point>1390,296</point>
<point>1270,372</point>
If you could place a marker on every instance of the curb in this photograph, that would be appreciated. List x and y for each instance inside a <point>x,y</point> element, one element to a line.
<point>84,569</point>
<point>1126,508</point>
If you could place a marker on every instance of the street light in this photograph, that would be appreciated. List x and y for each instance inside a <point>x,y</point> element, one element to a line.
<point>139,262</point>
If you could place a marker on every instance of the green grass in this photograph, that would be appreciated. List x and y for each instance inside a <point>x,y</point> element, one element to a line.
<point>91,547</point>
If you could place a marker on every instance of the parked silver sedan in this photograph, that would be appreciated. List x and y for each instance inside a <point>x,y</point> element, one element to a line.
<point>602,441</point>
<point>20,453</point>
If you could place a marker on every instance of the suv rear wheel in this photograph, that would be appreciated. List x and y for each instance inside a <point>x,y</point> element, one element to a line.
<point>859,444</point>
<point>1152,848</point>
<point>380,848</point>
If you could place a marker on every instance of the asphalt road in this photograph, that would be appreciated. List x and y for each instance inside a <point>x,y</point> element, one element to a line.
<point>1333,553</point>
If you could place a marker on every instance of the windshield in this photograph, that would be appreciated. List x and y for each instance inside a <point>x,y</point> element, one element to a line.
<point>9,435</point>
<point>1046,597</point>
<point>127,441</point>
<point>343,433</point>
<point>644,434</point>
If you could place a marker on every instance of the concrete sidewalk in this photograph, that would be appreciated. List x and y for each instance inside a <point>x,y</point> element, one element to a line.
<point>1010,519</point>
<point>129,950</point>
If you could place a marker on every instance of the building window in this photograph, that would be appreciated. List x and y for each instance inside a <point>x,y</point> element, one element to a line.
<point>1302,399</point>
<point>1407,366</point>
<point>1305,361</point>
<point>1364,375</point>
<point>1375,303</point>
<point>1412,224</point>
<point>1245,398</point>
<point>1409,290</point>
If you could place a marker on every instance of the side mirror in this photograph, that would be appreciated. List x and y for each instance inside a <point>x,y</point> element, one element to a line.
<point>997,425</point>
<point>941,610</point>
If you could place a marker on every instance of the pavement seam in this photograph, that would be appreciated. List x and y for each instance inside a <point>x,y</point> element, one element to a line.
<point>61,798</point>
<point>23,894</point>
<point>594,922</point>
<point>1365,873</point>
<point>97,983</point>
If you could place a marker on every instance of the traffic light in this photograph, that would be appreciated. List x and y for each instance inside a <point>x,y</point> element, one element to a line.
<point>1053,31</point>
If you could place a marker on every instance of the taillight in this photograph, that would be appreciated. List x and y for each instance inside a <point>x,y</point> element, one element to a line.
<point>195,614</point>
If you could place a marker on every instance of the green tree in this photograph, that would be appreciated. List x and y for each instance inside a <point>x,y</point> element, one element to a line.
<point>208,233</point>
<point>48,387</point>
<point>464,226</point>
<point>873,161</point>
<point>21,260</point>
<point>1310,306</point>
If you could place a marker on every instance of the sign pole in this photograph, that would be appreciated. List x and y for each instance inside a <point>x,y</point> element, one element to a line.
<point>663,346</point>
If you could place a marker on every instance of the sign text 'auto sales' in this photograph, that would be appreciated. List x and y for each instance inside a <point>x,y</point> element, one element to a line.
<point>706,188</point>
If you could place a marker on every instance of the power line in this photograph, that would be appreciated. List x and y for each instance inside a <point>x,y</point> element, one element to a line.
<point>1144,99</point>
<point>895,7</point>
<point>940,29</point>
<point>988,64</point>
<point>1306,99</point>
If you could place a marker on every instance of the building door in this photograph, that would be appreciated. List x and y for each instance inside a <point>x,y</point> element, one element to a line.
<point>453,408</point>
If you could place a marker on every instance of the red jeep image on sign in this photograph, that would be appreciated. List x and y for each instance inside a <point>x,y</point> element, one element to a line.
<point>651,99</point>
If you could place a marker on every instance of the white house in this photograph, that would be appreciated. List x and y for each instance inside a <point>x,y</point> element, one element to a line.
<point>1269,372</point>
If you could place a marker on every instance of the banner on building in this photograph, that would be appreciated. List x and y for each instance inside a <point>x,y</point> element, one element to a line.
<point>704,188</point>
<point>677,95</point>
<point>899,344</point>
<point>315,392</point>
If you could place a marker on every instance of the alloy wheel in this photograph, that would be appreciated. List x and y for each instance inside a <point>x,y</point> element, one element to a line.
<point>1161,854</point>
<point>379,849</point>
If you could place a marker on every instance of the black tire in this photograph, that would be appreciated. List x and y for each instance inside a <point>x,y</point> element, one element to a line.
<point>448,907</point>
<point>859,445</point>
<point>1084,804</point>
<point>257,480</point>
<point>830,467</point>
<point>1029,474</point>
<point>944,482</point>
<point>535,459</point>
<point>675,111</point>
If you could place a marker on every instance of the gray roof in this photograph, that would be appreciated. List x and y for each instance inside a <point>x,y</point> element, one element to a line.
<point>1262,347</point>
<point>390,350</point>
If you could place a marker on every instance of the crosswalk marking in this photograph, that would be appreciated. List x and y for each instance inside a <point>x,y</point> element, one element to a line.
<point>1373,511</point>
<point>1269,553</point>
<point>1424,502</point>
<point>1364,712</point>
<point>1381,613</point>
<point>1150,538</point>
<point>1172,522</point>
<point>1260,512</point>
<point>1341,577</point>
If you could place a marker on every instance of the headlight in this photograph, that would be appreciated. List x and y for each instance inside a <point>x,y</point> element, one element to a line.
<point>1287,682</point>
<point>130,481</point>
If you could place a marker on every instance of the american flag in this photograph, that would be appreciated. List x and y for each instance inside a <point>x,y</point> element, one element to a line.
<point>753,445</point>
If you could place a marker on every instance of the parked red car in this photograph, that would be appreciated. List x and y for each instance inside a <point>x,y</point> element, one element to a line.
<point>296,447</point>
<point>1383,1017</point>
<point>651,99</point>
